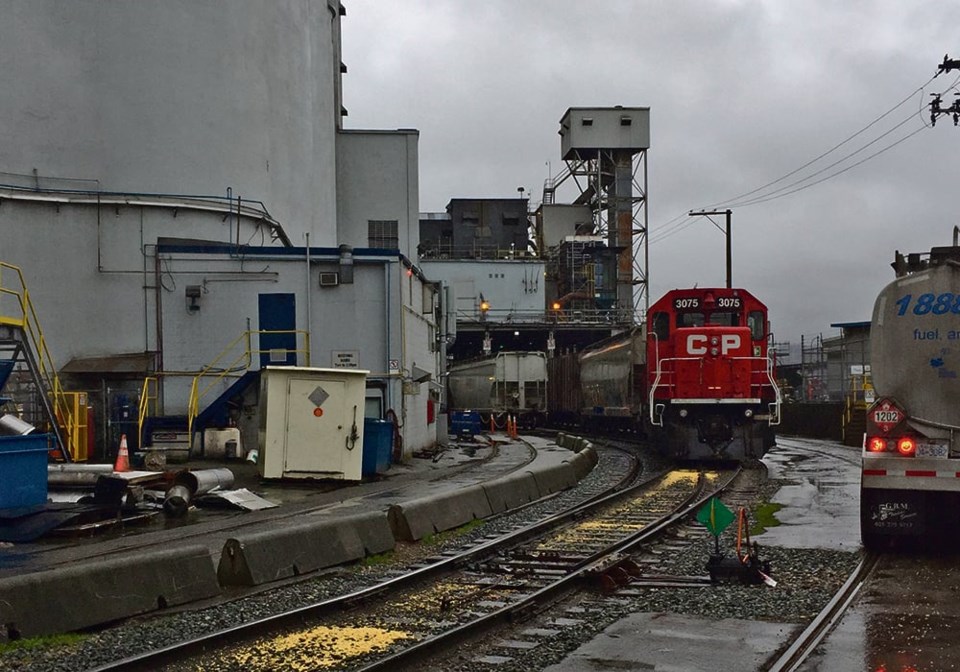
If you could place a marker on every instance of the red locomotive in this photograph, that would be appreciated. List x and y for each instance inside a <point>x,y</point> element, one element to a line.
<point>697,378</point>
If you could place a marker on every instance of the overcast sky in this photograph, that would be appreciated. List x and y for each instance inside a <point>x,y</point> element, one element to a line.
<point>740,95</point>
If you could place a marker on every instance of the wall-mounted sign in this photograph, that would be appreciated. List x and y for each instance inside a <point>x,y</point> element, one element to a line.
<point>345,359</point>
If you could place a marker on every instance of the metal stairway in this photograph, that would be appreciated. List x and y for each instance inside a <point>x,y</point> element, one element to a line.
<point>31,378</point>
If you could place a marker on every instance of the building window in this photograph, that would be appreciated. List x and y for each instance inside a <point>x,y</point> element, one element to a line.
<point>383,233</point>
<point>511,220</point>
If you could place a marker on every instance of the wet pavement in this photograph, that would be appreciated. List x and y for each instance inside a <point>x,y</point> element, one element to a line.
<point>904,620</point>
<point>669,642</point>
<point>820,498</point>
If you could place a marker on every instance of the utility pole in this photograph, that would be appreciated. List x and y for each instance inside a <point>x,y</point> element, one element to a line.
<point>727,213</point>
<point>936,105</point>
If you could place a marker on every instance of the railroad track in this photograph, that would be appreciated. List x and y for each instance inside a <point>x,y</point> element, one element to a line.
<point>806,642</point>
<point>497,581</point>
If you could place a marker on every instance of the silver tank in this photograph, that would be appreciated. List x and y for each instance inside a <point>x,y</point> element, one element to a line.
<point>915,345</point>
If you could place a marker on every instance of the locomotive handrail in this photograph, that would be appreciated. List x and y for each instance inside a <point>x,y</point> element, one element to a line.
<point>774,408</point>
<point>656,410</point>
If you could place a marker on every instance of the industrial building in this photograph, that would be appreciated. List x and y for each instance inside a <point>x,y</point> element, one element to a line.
<point>563,275</point>
<point>171,196</point>
<point>177,177</point>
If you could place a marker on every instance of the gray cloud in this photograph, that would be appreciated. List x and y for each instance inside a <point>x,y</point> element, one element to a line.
<point>741,93</point>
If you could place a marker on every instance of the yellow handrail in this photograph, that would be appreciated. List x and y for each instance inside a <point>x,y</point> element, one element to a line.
<point>28,322</point>
<point>242,363</point>
<point>150,382</point>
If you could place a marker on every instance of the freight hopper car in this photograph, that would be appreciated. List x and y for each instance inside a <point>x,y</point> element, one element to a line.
<point>563,390</point>
<point>509,383</point>
<point>612,374</point>
<point>910,466</point>
<point>710,375</point>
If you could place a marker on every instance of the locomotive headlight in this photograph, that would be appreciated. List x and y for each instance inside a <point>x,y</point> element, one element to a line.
<point>714,340</point>
<point>683,412</point>
<point>748,412</point>
<point>714,351</point>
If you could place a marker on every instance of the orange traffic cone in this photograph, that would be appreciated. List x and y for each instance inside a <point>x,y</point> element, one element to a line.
<point>123,457</point>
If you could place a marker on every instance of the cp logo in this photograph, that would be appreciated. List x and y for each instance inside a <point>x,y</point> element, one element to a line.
<point>697,343</point>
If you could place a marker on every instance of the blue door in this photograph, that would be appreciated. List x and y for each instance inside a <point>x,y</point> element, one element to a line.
<point>278,312</point>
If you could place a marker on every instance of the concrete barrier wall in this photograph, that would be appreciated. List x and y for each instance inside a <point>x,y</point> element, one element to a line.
<point>511,491</point>
<point>414,519</point>
<point>81,596</point>
<point>554,478</point>
<point>260,557</point>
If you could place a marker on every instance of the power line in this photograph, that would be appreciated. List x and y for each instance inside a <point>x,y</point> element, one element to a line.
<point>682,221</point>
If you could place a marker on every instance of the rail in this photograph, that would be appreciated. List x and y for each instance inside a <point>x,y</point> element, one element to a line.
<point>474,252</point>
<point>656,410</point>
<point>25,319</point>
<point>564,317</point>
<point>824,622</point>
<point>242,362</point>
<point>150,383</point>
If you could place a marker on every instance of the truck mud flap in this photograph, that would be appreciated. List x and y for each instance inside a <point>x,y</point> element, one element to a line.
<point>894,512</point>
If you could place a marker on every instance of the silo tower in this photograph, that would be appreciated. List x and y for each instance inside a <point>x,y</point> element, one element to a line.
<point>605,150</point>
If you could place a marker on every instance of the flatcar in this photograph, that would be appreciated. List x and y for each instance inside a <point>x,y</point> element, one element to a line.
<point>508,383</point>
<point>909,490</point>
<point>697,378</point>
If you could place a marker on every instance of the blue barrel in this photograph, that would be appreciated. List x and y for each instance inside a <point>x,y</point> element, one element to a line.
<point>23,470</point>
<point>377,446</point>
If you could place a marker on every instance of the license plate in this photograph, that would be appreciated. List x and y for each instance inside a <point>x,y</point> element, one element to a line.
<point>932,450</point>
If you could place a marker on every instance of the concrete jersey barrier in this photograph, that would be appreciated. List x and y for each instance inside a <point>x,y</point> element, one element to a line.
<point>81,596</point>
<point>255,558</point>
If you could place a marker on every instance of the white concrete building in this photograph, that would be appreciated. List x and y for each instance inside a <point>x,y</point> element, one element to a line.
<point>164,166</point>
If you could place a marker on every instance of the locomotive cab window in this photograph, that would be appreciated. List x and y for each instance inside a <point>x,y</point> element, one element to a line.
<point>690,319</point>
<point>756,322</point>
<point>725,318</point>
<point>661,326</point>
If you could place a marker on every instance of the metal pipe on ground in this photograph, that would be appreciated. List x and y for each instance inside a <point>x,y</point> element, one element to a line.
<point>76,474</point>
<point>189,484</point>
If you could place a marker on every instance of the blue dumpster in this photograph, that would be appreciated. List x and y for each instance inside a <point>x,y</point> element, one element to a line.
<point>465,423</point>
<point>23,470</point>
<point>377,446</point>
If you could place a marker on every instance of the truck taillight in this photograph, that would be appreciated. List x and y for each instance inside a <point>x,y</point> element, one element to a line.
<point>906,446</point>
<point>876,444</point>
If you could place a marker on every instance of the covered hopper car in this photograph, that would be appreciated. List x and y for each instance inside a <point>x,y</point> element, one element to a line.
<point>909,485</point>
<point>508,383</point>
<point>697,379</point>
